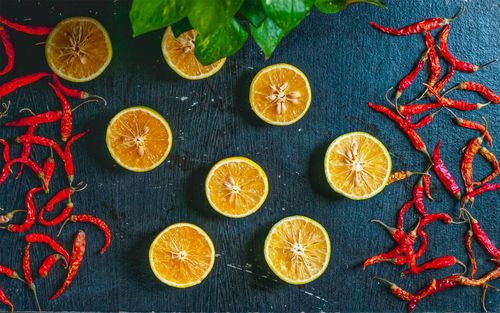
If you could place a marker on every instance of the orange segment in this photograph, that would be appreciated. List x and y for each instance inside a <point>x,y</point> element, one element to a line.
<point>236,187</point>
<point>182,255</point>
<point>139,139</point>
<point>179,54</point>
<point>280,94</point>
<point>78,49</point>
<point>297,249</point>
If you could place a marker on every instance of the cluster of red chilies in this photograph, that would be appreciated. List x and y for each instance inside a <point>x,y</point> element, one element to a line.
<point>404,254</point>
<point>44,172</point>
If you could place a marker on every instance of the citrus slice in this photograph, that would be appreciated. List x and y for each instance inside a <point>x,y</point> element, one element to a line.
<point>297,249</point>
<point>179,54</point>
<point>78,49</point>
<point>280,94</point>
<point>182,255</point>
<point>357,165</point>
<point>236,187</point>
<point>139,138</point>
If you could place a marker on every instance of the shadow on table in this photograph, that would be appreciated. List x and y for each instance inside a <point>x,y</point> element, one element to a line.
<point>195,192</point>
<point>317,176</point>
<point>241,93</point>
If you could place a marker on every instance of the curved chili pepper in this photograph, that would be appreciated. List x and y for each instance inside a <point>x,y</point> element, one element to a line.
<point>30,30</point>
<point>491,275</point>
<point>400,175</point>
<point>58,219</point>
<point>19,82</point>
<point>26,150</point>
<point>402,213</point>
<point>475,126</point>
<point>29,163</point>
<point>5,300</point>
<point>6,150</point>
<point>437,263</point>
<point>408,79</point>
<point>48,170</point>
<point>445,80</point>
<point>434,65</point>
<point>424,121</point>
<point>482,189</point>
<point>414,109</point>
<point>68,157</point>
<point>423,246</point>
<point>30,213</point>
<point>466,165</point>
<point>42,238</point>
<point>47,117</point>
<point>67,116</point>
<point>28,277</point>
<point>9,51</point>
<point>418,196</point>
<point>415,139</point>
<point>490,157</point>
<point>41,141</point>
<point>48,263</point>
<point>382,257</point>
<point>426,180</point>
<point>397,291</point>
<point>484,91</point>
<point>482,237</point>
<point>76,260</point>
<point>62,195</point>
<point>441,285</point>
<point>69,92</point>
<point>10,273</point>
<point>85,218</point>
<point>455,104</point>
<point>443,174</point>
<point>470,252</point>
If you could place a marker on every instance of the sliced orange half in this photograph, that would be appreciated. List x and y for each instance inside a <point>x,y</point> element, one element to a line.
<point>297,249</point>
<point>78,49</point>
<point>357,165</point>
<point>182,255</point>
<point>280,94</point>
<point>139,138</point>
<point>179,54</point>
<point>236,187</point>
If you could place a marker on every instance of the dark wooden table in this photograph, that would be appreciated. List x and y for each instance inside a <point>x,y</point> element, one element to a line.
<point>348,64</point>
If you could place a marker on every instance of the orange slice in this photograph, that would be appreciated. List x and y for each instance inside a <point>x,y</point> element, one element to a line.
<point>179,54</point>
<point>139,138</point>
<point>236,187</point>
<point>78,49</point>
<point>182,255</point>
<point>280,94</point>
<point>297,249</point>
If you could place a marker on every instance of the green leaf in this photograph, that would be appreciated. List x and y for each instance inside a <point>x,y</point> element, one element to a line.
<point>335,6</point>
<point>222,43</point>
<point>268,35</point>
<point>148,15</point>
<point>207,16</point>
<point>287,14</point>
<point>253,11</point>
<point>181,26</point>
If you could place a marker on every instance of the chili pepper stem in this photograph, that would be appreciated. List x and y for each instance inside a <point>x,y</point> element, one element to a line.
<point>385,281</point>
<point>33,289</point>
<point>85,102</point>
<point>390,229</point>
<point>62,226</point>
<point>458,14</point>
<point>484,288</point>
<point>462,264</point>
<point>395,105</point>
<point>5,111</point>
<point>486,64</point>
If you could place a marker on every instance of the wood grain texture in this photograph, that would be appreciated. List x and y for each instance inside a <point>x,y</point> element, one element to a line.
<point>348,64</point>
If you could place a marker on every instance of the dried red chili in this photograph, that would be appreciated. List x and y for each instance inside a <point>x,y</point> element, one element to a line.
<point>28,277</point>
<point>10,273</point>
<point>76,260</point>
<point>473,125</point>
<point>413,109</point>
<point>19,82</point>
<point>9,51</point>
<point>424,121</point>
<point>426,180</point>
<point>402,212</point>
<point>26,149</point>
<point>418,196</point>
<point>466,168</point>
<point>482,189</point>
<point>28,162</point>
<point>43,118</point>
<point>400,175</point>
<point>62,195</point>
<point>6,150</point>
<point>398,291</point>
<point>470,252</point>
<point>490,157</point>
<point>410,77</point>
<point>30,30</point>
<point>85,218</point>
<point>41,141</point>
<point>434,65</point>
<point>440,285</point>
<point>48,169</point>
<point>68,157</point>
<point>439,86</point>
<point>49,262</point>
<point>30,213</point>
<point>482,237</point>
<point>5,300</point>
<point>42,238</point>
<point>67,116</point>
<point>484,91</point>
<point>73,93</point>
<point>437,263</point>
<point>443,174</point>
<point>455,104</point>
<point>58,219</point>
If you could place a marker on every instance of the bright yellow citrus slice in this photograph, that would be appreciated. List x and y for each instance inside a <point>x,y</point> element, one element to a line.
<point>280,94</point>
<point>139,138</point>
<point>182,255</point>
<point>297,249</point>
<point>179,54</point>
<point>78,49</point>
<point>357,165</point>
<point>236,187</point>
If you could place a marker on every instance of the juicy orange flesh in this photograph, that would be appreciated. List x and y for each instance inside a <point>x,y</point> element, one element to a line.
<point>280,94</point>
<point>78,49</point>
<point>180,51</point>
<point>298,249</point>
<point>236,188</point>
<point>139,139</point>
<point>182,255</point>
<point>357,165</point>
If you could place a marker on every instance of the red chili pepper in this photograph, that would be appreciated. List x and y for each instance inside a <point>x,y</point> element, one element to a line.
<point>475,126</point>
<point>47,117</point>
<point>5,300</point>
<point>484,91</point>
<point>425,242</point>
<point>30,30</point>
<point>19,82</point>
<point>441,285</point>
<point>400,175</point>
<point>491,275</point>
<point>10,273</point>
<point>382,257</point>
<point>42,238</point>
<point>490,157</point>
<point>85,218</point>
<point>430,218</point>
<point>9,51</point>
<point>437,263</point>
<point>418,196</point>
<point>28,277</point>
<point>76,260</point>
<point>398,291</point>
<point>69,92</point>
<point>62,195</point>
<point>426,180</point>
<point>48,170</point>
<point>459,65</point>
<point>419,27</point>
<point>415,139</point>
<point>6,150</point>
<point>58,219</point>
<point>434,65</point>
<point>443,174</point>
<point>68,157</point>
<point>424,121</point>
<point>408,79</point>
<point>470,252</point>
<point>41,141</point>
<point>26,149</point>
<point>445,80</point>
<point>482,237</point>
<point>455,104</point>
<point>402,213</point>
<point>48,263</point>
<point>28,162</point>
<point>466,166</point>
<point>482,189</point>
<point>414,109</point>
<point>67,116</point>
<point>30,213</point>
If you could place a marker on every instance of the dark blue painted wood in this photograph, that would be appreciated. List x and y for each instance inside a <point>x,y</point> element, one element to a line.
<point>348,64</point>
